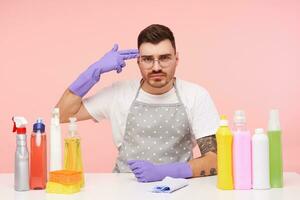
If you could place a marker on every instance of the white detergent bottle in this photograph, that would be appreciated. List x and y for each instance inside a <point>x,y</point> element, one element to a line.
<point>260,160</point>
<point>55,142</point>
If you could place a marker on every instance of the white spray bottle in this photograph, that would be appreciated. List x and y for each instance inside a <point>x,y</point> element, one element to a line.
<point>55,142</point>
<point>21,155</point>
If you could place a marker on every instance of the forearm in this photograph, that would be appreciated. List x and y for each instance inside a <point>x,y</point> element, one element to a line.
<point>205,165</point>
<point>69,104</point>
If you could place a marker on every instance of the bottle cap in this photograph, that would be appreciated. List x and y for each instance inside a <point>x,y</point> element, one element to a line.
<point>259,131</point>
<point>223,121</point>
<point>239,117</point>
<point>39,126</point>
<point>274,124</point>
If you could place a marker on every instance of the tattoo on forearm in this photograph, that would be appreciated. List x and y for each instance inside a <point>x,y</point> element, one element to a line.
<point>213,171</point>
<point>207,144</point>
<point>202,173</point>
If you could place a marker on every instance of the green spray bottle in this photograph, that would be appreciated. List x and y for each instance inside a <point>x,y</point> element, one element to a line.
<point>275,147</point>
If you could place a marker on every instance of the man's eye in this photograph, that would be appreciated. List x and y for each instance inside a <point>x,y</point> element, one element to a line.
<point>147,59</point>
<point>164,58</point>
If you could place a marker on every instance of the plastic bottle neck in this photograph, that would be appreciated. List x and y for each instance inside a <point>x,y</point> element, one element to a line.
<point>240,126</point>
<point>38,133</point>
<point>73,134</point>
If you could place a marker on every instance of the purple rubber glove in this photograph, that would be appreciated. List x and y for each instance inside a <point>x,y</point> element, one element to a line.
<point>145,171</point>
<point>112,60</point>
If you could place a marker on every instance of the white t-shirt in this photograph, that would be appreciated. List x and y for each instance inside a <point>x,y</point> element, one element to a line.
<point>113,103</point>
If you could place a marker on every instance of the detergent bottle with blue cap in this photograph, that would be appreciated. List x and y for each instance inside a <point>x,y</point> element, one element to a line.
<point>38,156</point>
<point>21,175</point>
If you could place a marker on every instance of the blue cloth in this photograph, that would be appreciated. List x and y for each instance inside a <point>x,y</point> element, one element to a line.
<point>169,184</point>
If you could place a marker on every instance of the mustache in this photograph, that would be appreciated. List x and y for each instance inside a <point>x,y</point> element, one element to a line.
<point>156,73</point>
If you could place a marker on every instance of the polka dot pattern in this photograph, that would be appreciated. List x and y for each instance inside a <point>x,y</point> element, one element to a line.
<point>157,133</point>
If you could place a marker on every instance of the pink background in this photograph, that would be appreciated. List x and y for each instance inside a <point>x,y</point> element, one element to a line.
<point>245,54</point>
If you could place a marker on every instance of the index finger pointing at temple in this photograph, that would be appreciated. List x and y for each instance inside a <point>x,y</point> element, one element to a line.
<point>129,54</point>
<point>128,51</point>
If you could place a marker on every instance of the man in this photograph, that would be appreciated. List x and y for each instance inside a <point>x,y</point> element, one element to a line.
<point>155,120</point>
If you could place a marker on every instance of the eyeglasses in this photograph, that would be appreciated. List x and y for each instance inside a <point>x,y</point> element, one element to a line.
<point>164,61</point>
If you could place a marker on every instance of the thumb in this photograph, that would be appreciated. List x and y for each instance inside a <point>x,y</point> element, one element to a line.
<point>115,48</point>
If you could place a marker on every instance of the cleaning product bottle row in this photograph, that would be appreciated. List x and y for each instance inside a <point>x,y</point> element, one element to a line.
<point>31,169</point>
<point>33,175</point>
<point>245,162</point>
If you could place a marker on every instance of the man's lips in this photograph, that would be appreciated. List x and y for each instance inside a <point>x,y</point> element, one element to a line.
<point>156,75</point>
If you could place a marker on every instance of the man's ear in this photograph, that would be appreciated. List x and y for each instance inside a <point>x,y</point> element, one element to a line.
<point>177,57</point>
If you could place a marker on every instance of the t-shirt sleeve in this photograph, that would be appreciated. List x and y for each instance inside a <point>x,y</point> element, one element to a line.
<point>99,105</point>
<point>205,117</point>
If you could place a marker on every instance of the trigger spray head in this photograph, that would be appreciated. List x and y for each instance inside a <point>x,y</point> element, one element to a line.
<point>19,125</point>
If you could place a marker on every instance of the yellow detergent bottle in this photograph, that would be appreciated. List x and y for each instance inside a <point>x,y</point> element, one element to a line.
<point>224,155</point>
<point>72,156</point>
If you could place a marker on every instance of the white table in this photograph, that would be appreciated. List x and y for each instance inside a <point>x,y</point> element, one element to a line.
<point>124,186</point>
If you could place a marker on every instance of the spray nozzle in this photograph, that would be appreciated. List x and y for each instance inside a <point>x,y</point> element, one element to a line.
<point>19,125</point>
<point>55,117</point>
<point>72,126</point>
<point>55,112</point>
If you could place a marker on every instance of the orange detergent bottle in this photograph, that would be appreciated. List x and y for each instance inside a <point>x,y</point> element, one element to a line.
<point>38,156</point>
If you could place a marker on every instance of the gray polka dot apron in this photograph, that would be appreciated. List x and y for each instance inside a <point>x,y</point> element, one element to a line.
<point>159,133</point>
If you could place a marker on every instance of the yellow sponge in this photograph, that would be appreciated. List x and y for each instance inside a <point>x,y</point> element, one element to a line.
<point>65,177</point>
<point>58,188</point>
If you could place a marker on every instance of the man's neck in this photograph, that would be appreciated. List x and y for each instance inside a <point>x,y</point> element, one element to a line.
<point>157,91</point>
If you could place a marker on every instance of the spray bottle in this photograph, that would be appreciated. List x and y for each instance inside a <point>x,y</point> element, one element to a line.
<point>241,153</point>
<point>21,155</point>
<point>72,157</point>
<point>38,156</point>
<point>55,142</point>
<point>260,160</point>
<point>274,134</point>
<point>224,155</point>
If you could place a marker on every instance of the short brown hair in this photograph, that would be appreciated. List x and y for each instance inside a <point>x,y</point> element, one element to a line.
<point>156,33</point>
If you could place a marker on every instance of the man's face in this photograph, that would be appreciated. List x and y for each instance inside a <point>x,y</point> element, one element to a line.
<point>157,63</point>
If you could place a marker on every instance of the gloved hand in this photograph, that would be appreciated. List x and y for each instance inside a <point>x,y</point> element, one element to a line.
<point>145,171</point>
<point>112,60</point>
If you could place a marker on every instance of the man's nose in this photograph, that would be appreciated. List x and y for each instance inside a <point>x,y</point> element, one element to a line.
<point>156,65</point>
